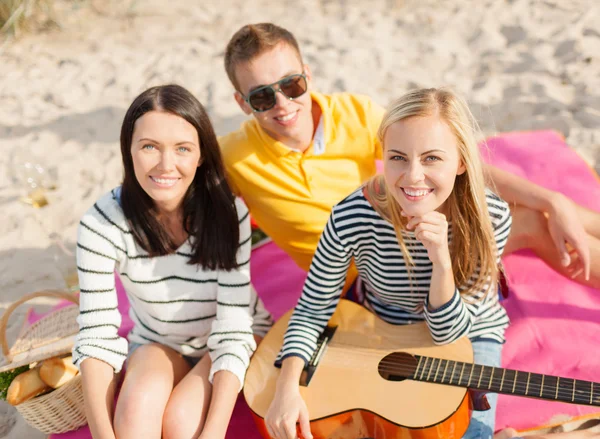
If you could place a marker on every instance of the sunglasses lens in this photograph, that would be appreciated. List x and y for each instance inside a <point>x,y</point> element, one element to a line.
<point>294,86</point>
<point>263,99</point>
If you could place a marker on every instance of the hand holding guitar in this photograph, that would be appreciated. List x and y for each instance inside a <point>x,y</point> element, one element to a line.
<point>288,407</point>
<point>389,405</point>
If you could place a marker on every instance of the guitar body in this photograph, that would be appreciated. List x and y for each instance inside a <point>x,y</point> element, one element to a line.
<point>347,397</point>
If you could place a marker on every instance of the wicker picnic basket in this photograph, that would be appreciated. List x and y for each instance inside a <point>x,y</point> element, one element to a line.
<point>62,409</point>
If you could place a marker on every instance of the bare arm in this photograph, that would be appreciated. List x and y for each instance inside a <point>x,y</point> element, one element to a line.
<point>517,190</point>
<point>224,394</point>
<point>442,286</point>
<point>287,406</point>
<point>564,225</point>
<point>98,393</point>
<point>432,230</point>
<point>291,369</point>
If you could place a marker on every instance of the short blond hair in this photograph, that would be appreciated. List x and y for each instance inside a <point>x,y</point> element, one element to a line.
<point>473,248</point>
<point>252,40</point>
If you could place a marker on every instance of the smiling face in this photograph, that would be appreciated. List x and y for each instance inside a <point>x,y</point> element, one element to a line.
<point>166,153</point>
<point>289,121</point>
<point>421,162</point>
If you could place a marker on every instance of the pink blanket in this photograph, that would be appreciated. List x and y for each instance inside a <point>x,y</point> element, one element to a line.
<point>555,323</point>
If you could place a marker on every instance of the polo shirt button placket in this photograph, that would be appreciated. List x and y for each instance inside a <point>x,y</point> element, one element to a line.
<point>306,170</point>
<point>309,180</point>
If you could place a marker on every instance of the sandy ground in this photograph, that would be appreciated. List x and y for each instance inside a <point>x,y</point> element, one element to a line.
<point>523,64</point>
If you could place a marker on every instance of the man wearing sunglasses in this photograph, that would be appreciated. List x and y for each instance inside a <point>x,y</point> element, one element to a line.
<point>303,152</point>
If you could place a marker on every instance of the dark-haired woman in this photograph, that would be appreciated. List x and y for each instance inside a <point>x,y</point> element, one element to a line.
<point>181,243</point>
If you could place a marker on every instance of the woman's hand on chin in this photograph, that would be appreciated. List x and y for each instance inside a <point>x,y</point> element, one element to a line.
<point>432,230</point>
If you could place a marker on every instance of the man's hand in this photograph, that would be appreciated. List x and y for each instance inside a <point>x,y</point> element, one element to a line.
<point>565,228</point>
<point>563,223</point>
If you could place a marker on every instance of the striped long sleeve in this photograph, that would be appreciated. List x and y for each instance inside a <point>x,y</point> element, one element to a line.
<point>192,310</point>
<point>457,317</point>
<point>99,245</point>
<point>231,342</point>
<point>356,230</point>
<point>320,296</point>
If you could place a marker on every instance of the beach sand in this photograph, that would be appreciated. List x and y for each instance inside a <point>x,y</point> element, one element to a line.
<point>522,64</point>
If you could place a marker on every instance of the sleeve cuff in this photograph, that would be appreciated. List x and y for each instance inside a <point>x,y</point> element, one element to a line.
<point>113,358</point>
<point>449,304</point>
<point>232,363</point>
<point>279,360</point>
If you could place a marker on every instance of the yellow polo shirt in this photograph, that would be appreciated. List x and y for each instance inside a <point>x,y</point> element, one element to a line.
<point>290,194</point>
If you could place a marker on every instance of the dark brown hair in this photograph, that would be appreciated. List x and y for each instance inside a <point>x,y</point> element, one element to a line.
<point>252,40</point>
<point>209,212</point>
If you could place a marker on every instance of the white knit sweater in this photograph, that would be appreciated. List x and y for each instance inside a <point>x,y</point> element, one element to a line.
<point>182,306</point>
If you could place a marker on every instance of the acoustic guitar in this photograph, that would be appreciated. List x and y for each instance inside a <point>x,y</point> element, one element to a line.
<point>371,379</point>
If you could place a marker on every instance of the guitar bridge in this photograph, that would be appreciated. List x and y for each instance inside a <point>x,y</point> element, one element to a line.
<point>322,342</point>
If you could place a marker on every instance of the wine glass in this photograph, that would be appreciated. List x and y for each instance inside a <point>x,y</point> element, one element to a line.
<point>34,179</point>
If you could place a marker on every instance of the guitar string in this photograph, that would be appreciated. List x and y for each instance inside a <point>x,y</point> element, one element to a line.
<point>536,387</point>
<point>528,389</point>
<point>405,369</point>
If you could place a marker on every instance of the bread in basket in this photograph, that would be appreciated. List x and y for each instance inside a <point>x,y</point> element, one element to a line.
<point>53,335</point>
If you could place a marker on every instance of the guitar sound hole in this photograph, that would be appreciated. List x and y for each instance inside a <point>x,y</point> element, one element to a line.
<point>397,366</point>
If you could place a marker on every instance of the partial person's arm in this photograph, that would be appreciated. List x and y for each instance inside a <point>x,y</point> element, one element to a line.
<point>320,296</point>
<point>99,384</point>
<point>231,342</point>
<point>287,405</point>
<point>98,350</point>
<point>455,318</point>
<point>262,321</point>
<point>224,394</point>
<point>375,114</point>
<point>431,229</point>
<point>444,312</point>
<point>563,223</point>
<point>99,246</point>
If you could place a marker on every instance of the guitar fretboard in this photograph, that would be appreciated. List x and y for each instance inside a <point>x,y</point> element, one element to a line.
<point>508,381</point>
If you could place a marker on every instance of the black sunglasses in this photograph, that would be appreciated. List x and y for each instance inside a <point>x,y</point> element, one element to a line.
<point>265,97</point>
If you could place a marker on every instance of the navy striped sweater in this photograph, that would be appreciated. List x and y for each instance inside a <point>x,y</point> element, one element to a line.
<point>356,230</point>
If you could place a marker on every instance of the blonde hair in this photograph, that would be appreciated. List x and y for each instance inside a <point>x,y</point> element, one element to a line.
<point>473,249</point>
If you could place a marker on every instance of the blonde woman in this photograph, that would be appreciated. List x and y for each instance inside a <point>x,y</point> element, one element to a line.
<point>426,236</point>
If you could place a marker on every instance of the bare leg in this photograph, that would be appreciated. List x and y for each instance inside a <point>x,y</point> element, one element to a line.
<point>152,372</point>
<point>530,230</point>
<point>188,406</point>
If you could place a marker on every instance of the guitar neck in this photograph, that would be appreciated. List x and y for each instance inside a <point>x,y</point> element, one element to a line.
<point>507,381</point>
